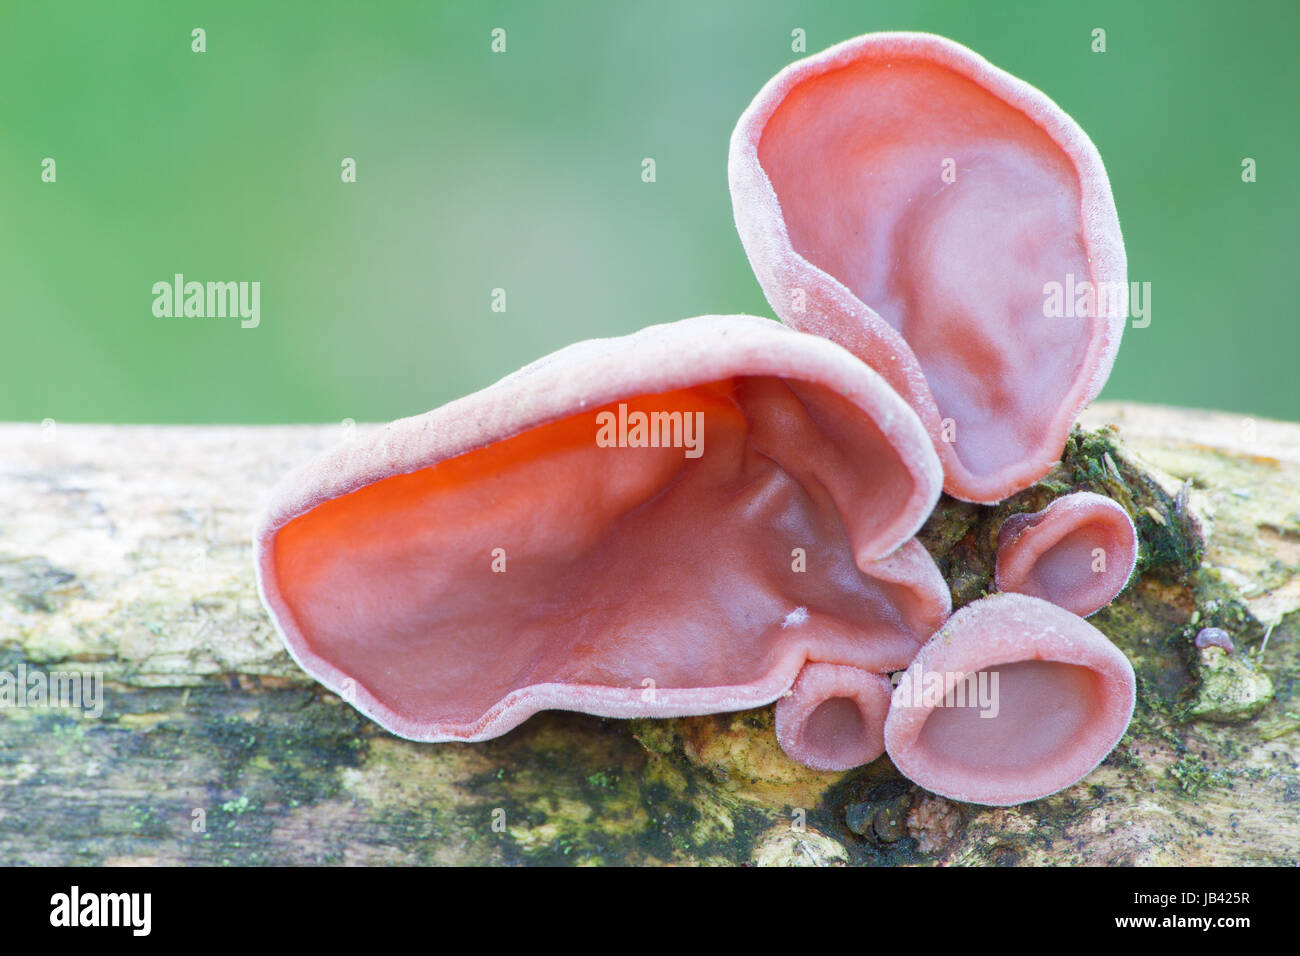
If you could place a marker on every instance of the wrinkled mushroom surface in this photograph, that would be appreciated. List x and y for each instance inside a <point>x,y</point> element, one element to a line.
<point>462,569</point>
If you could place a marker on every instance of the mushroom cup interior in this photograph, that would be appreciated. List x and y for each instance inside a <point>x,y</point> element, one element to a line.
<point>1064,575</point>
<point>1044,709</point>
<point>546,558</point>
<point>856,158</point>
<point>837,729</point>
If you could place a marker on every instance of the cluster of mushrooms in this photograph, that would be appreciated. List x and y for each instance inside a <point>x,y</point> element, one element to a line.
<point>719,513</point>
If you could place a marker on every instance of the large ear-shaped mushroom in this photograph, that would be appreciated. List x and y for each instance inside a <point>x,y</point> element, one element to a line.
<point>1013,699</point>
<point>664,524</point>
<point>1078,552</point>
<point>902,196</point>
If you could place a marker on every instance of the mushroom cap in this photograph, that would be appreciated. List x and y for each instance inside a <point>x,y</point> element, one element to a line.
<point>1061,700</point>
<point>460,570</point>
<point>1078,552</point>
<point>854,232</point>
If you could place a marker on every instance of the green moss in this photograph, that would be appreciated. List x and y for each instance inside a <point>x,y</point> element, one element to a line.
<point>1192,774</point>
<point>236,806</point>
<point>962,537</point>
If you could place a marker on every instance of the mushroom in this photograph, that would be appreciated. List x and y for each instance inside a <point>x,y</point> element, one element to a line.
<point>834,717</point>
<point>1078,552</point>
<point>1013,699</point>
<point>669,523</point>
<point>902,196</point>
<point>1214,637</point>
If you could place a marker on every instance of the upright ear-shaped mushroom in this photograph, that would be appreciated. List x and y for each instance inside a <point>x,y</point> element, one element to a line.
<point>669,523</point>
<point>1078,552</point>
<point>1013,699</point>
<point>949,225</point>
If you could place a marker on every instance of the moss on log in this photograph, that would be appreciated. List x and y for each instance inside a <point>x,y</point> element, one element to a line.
<point>124,551</point>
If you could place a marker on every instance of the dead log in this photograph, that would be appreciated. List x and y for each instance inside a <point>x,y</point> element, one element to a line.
<point>124,552</point>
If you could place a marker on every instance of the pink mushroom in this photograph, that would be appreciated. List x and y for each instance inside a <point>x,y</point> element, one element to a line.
<point>834,717</point>
<point>1013,699</point>
<point>530,546</point>
<point>905,198</point>
<point>1078,552</point>
<point>1214,637</point>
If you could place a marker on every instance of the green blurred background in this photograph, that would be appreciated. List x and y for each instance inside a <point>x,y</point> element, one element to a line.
<point>523,171</point>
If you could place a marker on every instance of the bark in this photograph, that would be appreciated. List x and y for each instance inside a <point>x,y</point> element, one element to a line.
<point>124,551</point>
